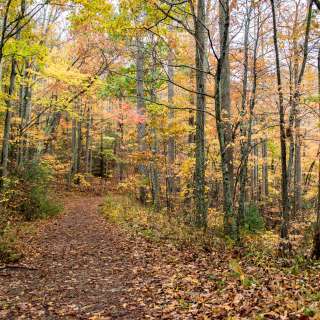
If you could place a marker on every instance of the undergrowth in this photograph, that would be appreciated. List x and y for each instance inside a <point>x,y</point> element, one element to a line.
<point>157,226</point>
<point>258,246</point>
<point>26,196</point>
<point>177,229</point>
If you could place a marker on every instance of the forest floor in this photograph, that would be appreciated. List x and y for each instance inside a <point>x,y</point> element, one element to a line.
<point>79,266</point>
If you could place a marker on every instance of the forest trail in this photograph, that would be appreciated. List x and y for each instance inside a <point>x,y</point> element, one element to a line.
<point>84,269</point>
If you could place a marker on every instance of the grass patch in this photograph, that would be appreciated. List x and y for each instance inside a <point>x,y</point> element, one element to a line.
<point>157,225</point>
<point>8,246</point>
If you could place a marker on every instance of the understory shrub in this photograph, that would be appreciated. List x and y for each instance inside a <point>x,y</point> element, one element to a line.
<point>157,225</point>
<point>28,192</point>
<point>27,195</point>
<point>253,220</point>
<point>38,202</point>
<point>8,251</point>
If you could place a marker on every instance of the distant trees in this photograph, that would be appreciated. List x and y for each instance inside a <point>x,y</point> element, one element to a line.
<point>204,108</point>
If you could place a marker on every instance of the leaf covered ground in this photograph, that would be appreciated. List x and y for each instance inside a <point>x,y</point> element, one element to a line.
<point>80,266</point>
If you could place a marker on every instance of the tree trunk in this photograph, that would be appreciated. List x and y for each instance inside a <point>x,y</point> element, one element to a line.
<point>316,239</point>
<point>88,140</point>
<point>243,125</point>
<point>7,124</point>
<point>141,129</point>
<point>293,74</point>
<point>191,139</point>
<point>265,182</point>
<point>79,142</point>
<point>24,114</point>
<point>155,149</point>
<point>171,142</point>
<point>225,100</point>
<point>199,174</point>
<point>102,158</point>
<point>74,142</point>
<point>255,172</point>
<point>285,247</point>
<point>223,124</point>
<point>296,100</point>
<point>297,203</point>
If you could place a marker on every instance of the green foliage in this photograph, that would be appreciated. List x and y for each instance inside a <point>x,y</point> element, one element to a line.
<point>36,202</point>
<point>8,252</point>
<point>273,148</point>
<point>253,221</point>
<point>157,226</point>
<point>309,312</point>
<point>121,84</point>
<point>9,244</point>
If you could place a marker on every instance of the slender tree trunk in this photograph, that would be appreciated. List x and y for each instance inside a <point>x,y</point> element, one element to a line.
<point>74,142</point>
<point>7,124</point>
<point>243,125</point>
<point>79,142</point>
<point>225,100</point>
<point>248,143</point>
<point>141,129</point>
<point>297,203</point>
<point>316,239</point>
<point>285,246</point>
<point>223,125</point>
<point>102,158</point>
<point>296,100</point>
<point>255,172</point>
<point>155,148</point>
<point>88,140</point>
<point>191,139</point>
<point>118,149</point>
<point>50,133</point>
<point>171,142</point>
<point>191,122</point>
<point>294,70</point>
<point>24,106</point>
<point>265,182</point>
<point>199,174</point>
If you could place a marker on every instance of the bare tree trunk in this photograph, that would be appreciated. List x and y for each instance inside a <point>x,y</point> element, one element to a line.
<point>24,114</point>
<point>225,87</point>
<point>191,122</point>
<point>265,182</point>
<point>297,203</point>
<point>141,129</point>
<point>296,100</point>
<point>255,172</point>
<point>243,125</point>
<point>155,148</point>
<point>74,142</point>
<point>294,69</point>
<point>223,124</point>
<point>285,246</point>
<point>199,174</point>
<point>7,124</point>
<point>171,142</point>
<point>79,137</point>
<point>191,139</point>
<point>88,140</point>
<point>50,132</point>
<point>103,170</point>
<point>316,238</point>
<point>118,148</point>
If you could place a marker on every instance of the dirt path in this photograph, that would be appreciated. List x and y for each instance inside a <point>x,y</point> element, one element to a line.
<point>85,269</point>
